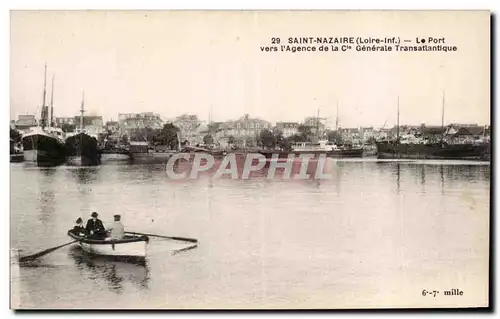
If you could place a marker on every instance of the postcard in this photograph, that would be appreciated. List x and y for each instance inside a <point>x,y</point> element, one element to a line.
<point>250,159</point>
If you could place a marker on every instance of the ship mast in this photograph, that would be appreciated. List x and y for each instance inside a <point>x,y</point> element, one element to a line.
<point>82,110</point>
<point>317,125</point>
<point>44,114</point>
<point>398,121</point>
<point>337,119</point>
<point>179,141</point>
<point>52,102</point>
<point>442,118</point>
<point>442,111</point>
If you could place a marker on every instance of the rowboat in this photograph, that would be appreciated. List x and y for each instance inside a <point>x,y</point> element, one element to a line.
<point>132,245</point>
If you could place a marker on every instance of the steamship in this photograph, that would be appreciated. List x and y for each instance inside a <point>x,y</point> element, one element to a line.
<point>81,147</point>
<point>44,143</point>
<point>402,148</point>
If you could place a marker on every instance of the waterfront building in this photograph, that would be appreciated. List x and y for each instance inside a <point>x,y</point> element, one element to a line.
<point>60,121</point>
<point>24,122</point>
<point>112,126</point>
<point>316,125</point>
<point>469,134</point>
<point>351,135</point>
<point>93,125</point>
<point>367,133</point>
<point>287,128</point>
<point>189,129</point>
<point>381,134</point>
<point>243,131</point>
<point>456,134</point>
<point>129,122</point>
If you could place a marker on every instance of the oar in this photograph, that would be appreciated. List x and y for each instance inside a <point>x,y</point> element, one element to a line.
<point>176,251</point>
<point>189,240</point>
<point>44,252</point>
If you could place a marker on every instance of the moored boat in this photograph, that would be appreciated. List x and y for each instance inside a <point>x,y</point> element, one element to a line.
<point>16,158</point>
<point>442,145</point>
<point>195,149</point>
<point>82,148</point>
<point>151,157</point>
<point>321,147</point>
<point>347,150</point>
<point>16,154</point>
<point>369,150</point>
<point>44,144</point>
<point>114,153</point>
<point>280,154</point>
<point>141,152</point>
<point>112,156</point>
<point>131,245</point>
<point>443,150</point>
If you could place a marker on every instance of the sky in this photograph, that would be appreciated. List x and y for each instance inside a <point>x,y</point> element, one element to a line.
<point>192,62</point>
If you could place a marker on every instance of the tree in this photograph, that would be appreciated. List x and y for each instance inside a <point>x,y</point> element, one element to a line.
<point>68,127</point>
<point>15,135</point>
<point>334,136</point>
<point>306,132</point>
<point>149,133</point>
<point>213,128</point>
<point>137,135</point>
<point>208,139</point>
<point>167,136</point>
<point>304,129</point>
<point>143,134</point>
<point>296,138</point>
<point>282,142</point>
<point>249,141</point>
<point>267,139</point>
<point>124,139</point>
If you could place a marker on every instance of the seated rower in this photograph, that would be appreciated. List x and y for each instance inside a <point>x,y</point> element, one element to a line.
<point>78,229</point>
<point>95,228</point>
<point>117,230</point>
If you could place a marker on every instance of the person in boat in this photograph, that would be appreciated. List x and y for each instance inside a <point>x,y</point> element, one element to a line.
<point>78,229</point>
<point>94,227</point>
<point>117,231</point>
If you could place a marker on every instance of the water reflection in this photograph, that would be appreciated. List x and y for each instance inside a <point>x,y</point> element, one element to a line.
<point>422,174</point>
<point>398,178</point>
<point>116,273</point>
<point>235,221</point>
<point>45,195</point>
<point>445,175</point>
<point>85,175</point>
<point>441,175</point>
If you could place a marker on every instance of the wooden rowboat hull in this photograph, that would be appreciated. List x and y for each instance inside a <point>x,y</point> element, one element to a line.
<point>137,249</point>
<point>130,246</point>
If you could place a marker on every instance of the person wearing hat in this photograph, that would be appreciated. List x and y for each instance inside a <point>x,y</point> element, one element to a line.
<point>94,227</point>
<point>78,229</point>
<point>117,231</point>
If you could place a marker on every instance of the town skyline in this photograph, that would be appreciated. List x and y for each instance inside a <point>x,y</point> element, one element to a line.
<point>159,62</point>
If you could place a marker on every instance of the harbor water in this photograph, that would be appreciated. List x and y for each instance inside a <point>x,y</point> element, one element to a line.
<point>376,235</point>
